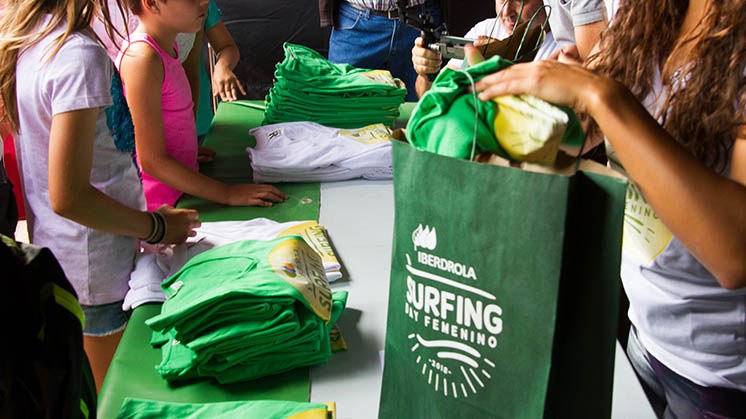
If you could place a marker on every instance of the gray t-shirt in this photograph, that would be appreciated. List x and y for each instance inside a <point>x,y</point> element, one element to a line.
<point>567,14</point>
<point>78,77</point>
<point>683,316</point>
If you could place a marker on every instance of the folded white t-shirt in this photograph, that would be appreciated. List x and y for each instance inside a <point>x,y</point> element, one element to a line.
<point>310,152</point>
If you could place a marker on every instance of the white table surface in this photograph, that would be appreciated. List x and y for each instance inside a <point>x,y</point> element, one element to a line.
<point>359,217</point>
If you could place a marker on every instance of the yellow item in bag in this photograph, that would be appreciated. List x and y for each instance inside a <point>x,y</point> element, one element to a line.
<point>528,128</point>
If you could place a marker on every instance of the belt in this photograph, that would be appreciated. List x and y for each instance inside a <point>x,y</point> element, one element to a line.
<point>388,14</point>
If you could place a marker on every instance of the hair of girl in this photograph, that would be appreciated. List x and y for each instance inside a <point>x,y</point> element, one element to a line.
<point>135,6</point>
<point>705,115</point>
<point>20,30</point>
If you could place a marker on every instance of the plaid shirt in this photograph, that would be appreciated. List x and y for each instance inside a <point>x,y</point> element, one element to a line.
<point>382,5</point>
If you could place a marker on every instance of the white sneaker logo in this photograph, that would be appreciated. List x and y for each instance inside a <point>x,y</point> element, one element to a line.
<point>425,238</point>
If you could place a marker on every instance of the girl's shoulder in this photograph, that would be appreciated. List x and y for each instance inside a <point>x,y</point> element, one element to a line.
<point>141,55</point>
<point>79,55</point>
<point>79,39</point>
<point>82,48</point>
<point>139,59</point>
<point>78,45</point>
<point>141,48</point>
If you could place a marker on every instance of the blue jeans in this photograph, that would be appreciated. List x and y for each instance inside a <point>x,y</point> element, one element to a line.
<point>675,397</point>
<point>104,319</point>
<point>376,42</point>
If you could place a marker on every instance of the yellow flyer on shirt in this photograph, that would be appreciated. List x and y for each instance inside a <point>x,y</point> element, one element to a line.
<point>368,135</point>
<point>300,266</point>
<point>329,413</point>
<point>383,77</point>
<point>315,236</point>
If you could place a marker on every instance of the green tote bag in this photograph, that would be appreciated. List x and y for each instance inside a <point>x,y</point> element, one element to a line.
<point>504,291</point>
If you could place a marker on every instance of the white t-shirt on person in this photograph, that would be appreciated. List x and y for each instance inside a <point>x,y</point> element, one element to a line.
<point>78,77</point>
<point>493,28</point>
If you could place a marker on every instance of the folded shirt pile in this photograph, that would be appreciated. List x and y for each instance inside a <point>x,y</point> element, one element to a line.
<point>246,310</point>
<point>310,152</point>
<point>153,268</point>
<point>266,409</point>
<point>310,88</point>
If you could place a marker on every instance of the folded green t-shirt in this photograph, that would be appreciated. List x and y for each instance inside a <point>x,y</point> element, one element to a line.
<point>265,409</point>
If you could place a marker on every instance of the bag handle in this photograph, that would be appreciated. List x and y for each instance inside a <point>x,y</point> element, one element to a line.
<point>526,31</point>
<point>540,38</point>
<point>476,112</point>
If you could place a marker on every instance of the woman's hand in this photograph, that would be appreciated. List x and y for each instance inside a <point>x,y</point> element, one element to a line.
<point>254,195</point>
<point>557,83</point>
<point>180,224</point>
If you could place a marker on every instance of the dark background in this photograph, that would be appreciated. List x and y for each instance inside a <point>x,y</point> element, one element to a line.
<point>260,27</point>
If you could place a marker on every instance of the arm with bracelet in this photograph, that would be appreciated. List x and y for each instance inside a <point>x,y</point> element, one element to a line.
<point>72,196</point>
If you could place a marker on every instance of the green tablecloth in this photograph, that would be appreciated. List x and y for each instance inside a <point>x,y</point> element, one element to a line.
<point>229,137</point>
<point>132,374</point>
<point>132,371</point>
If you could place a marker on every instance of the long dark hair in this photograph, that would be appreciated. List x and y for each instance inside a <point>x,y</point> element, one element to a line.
<point>706,112</point>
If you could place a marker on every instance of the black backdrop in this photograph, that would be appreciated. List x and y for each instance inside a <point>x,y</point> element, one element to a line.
<point>260,27</point>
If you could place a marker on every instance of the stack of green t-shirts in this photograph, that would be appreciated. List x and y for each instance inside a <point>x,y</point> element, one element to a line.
<point>449,118</point>
<point>246,310</point>
<point>265,409</point>
<point>310,88</point>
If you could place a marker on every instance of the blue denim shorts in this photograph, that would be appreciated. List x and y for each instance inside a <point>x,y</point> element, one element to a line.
<point>104,319</point>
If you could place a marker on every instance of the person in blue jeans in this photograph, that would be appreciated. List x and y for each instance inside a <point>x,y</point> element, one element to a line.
<point>368,34</point>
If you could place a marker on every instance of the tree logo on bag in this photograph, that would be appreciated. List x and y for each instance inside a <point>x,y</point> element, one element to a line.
<point>455,324</point>
<point>424,238</point>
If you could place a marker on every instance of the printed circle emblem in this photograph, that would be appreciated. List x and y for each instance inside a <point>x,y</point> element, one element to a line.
<point>451,367</point>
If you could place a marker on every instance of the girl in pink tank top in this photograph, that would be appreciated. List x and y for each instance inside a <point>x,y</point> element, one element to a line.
<point>179,129</point>
<point>159,97</point>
